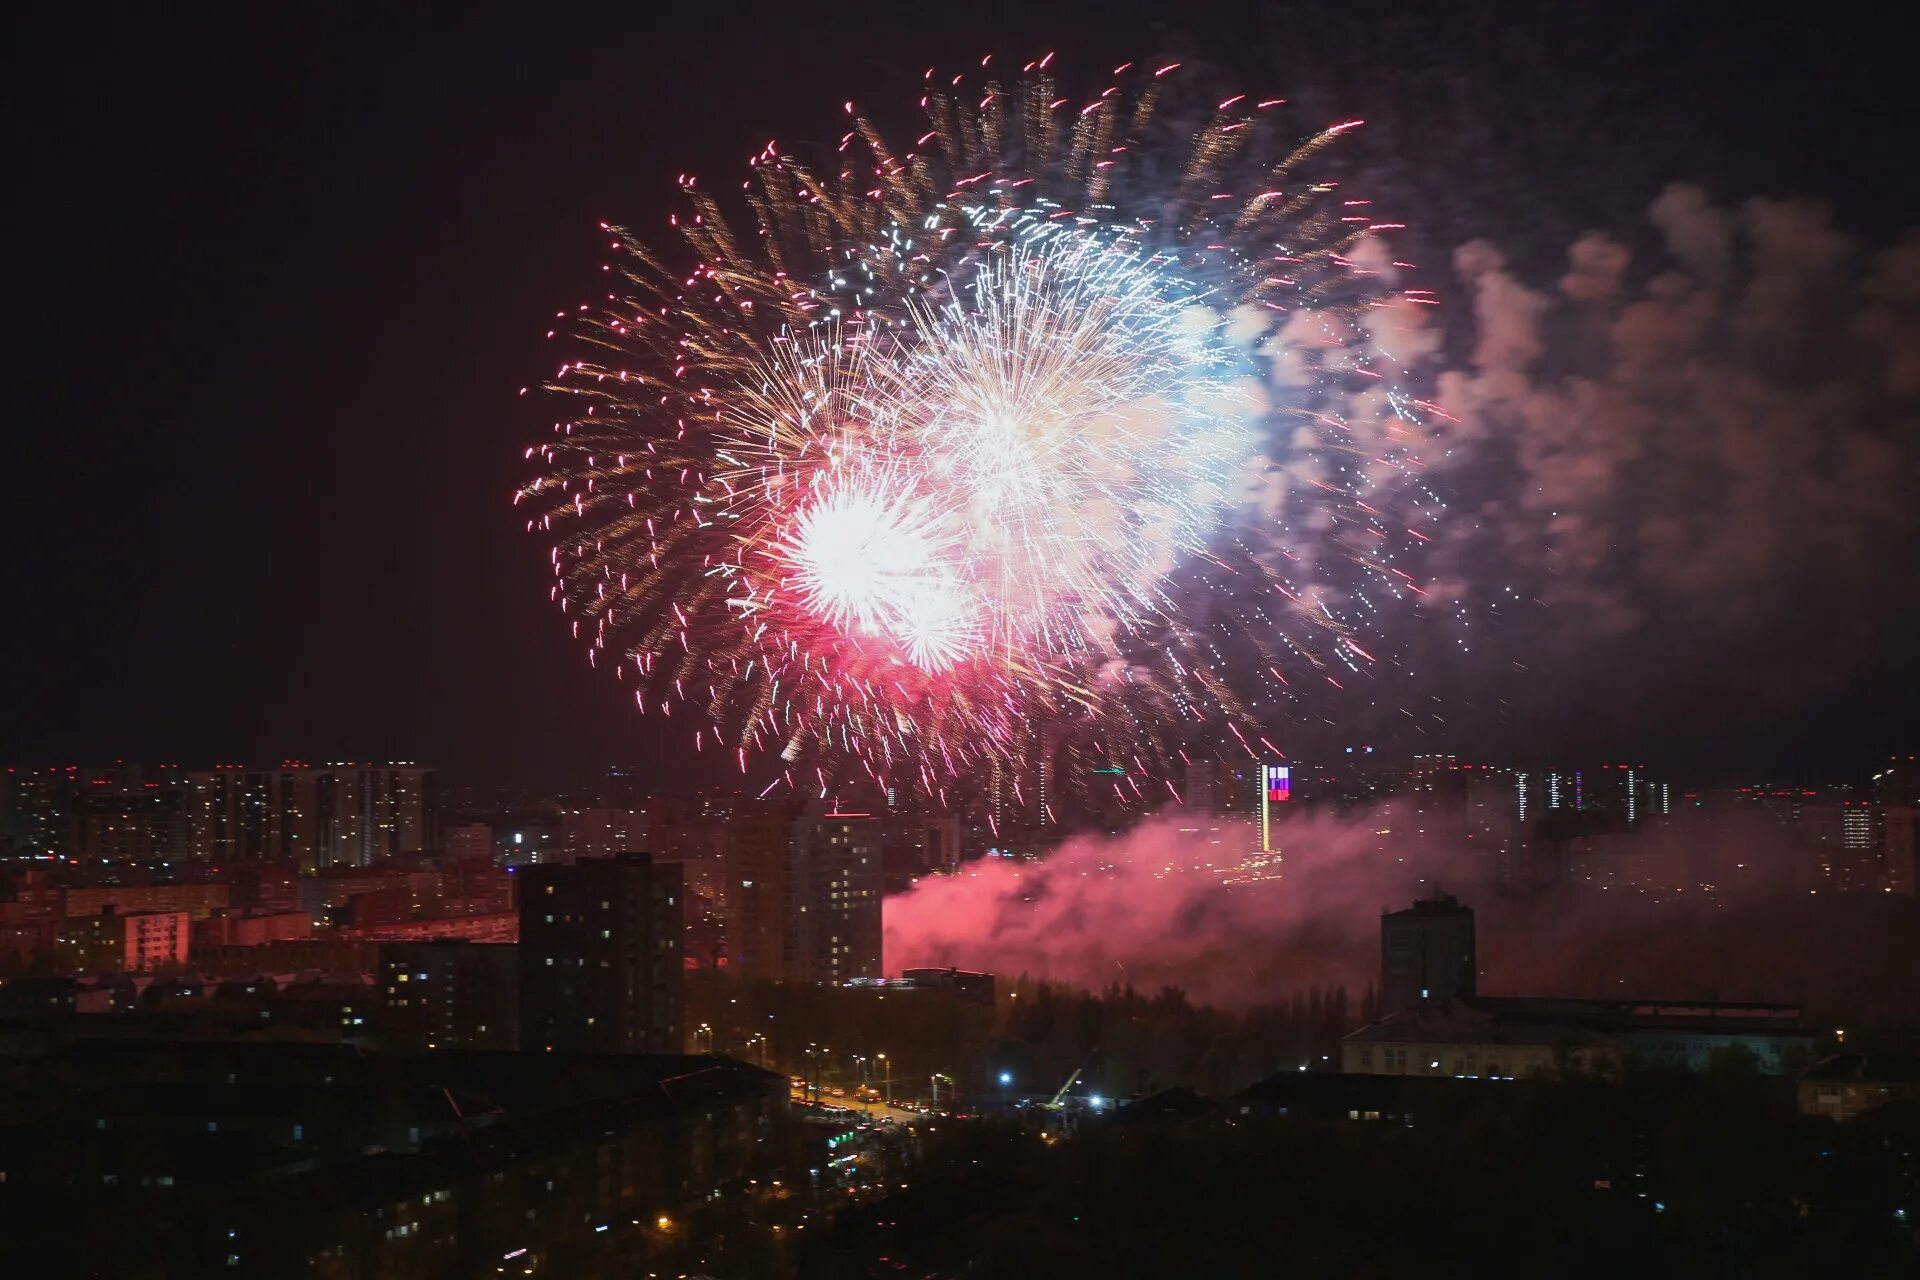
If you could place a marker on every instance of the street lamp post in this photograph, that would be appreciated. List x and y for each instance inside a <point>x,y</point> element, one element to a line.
<point>886,1077</point>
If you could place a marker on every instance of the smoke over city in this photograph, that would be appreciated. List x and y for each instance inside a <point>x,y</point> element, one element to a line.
<point>1146,909</point>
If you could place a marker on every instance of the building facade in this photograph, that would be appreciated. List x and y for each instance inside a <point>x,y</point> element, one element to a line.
<point>600,956</point>
<point>835,890</point>
<point>1427,953</point>
<point>451,994</point>
<point>135,942</point>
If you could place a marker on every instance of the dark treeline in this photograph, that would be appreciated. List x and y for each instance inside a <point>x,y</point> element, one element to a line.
<point>1039,1032</point>
<point>1132,1043</point>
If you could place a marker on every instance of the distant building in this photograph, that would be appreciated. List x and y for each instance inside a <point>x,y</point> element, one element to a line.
<point>1446,1029</point>
<point>324,892</point>
<point>1457,1039</point>
<point>129,814</point>
<point>36,807</point>
<point>198,900</point>
<point>600,963</point>
<point>1901,833</point>
<point>970,987</point>
<point>327,953</point>
<point>137,942</point>
<point>1222,788</point>
<point>470,840</point>
<point>1510,1037</point>
<point>267,887</point>
<point>312,817</point>
<point>1847,1084</point>
<point>597,833</point>
<point>496,926</point>
<point>1899,782</point>
<point>1860,846</point>
<point>915,845</point>
<point>451,994</point>
<point>974,986</point>
<point>233,928</point>
<point>1427,953</point>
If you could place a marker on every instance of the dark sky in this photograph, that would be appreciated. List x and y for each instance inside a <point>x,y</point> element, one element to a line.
<point>279,270</point>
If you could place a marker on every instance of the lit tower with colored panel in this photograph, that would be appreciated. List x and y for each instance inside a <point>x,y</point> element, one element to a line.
<point>1276,789</point>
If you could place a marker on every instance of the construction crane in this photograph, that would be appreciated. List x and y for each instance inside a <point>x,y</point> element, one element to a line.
<point>1057,1103</point>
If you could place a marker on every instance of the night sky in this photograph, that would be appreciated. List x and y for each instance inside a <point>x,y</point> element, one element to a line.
<point>285,267</point>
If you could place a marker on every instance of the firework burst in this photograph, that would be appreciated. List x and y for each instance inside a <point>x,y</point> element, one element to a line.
<point>990,450</point>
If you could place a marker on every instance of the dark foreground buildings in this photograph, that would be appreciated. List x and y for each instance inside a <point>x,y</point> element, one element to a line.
<point>600,966</point>
<point>156,1158</point>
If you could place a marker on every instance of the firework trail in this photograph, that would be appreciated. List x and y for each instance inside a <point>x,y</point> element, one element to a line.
<point>1033,441</point>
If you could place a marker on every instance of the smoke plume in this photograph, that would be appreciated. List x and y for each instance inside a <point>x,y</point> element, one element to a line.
<point>1688,467</point>
<point>1163,905</point>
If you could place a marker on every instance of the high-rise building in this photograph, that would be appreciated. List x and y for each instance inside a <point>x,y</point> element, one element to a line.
<point>999,795</point>
<point>388,810</point>
<point>451,993</point>
<point>1276,791</point>
<point>1861,846</point>
<point>1899,782</point>
<point>312,817</point>
<point>1426,953</point>
<point>36,809</point>
<point>834,893</point>
<point>914,845</point>
<point>600,956</point>
<point>1901,835</point>
<point>1626,792</point>
<point>755,852</point>
<point>126,813</point>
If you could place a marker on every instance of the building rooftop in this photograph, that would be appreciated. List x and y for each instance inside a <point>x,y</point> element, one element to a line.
<point>1458,1022</point>
<point>1178,1105</point>
<point>1640,1016</point>
<point>1866,1068</point>
<point>1441,904</point>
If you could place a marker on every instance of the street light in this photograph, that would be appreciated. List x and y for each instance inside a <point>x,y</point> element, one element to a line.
<point>886,1077</point>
